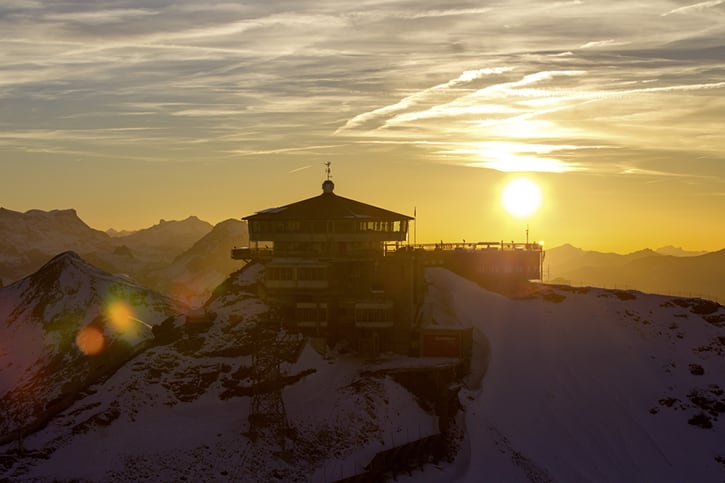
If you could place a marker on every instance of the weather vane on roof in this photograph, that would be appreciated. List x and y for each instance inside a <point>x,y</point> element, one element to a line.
<point>328,170</point>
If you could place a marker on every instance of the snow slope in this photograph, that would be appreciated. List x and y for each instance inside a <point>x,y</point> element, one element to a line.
<point>590,385</point>
<point>179,411</point>
<point>567,385</point>
<point>41,319</point>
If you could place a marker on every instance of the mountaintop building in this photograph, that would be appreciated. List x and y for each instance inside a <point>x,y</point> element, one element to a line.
<point>344,270</point>
<point>327,272</point>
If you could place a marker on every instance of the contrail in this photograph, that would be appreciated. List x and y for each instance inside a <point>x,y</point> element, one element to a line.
<point>298,169</point>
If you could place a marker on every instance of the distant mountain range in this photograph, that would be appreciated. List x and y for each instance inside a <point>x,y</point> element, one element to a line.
<point>168,256</point>
<point>165,240</point>
<point>188,258</point>
<point>194,274</point>
<point>688,273</point>
<point>678,252</point>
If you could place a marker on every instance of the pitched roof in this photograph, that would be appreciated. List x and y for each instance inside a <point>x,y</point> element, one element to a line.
<point>327,206</point>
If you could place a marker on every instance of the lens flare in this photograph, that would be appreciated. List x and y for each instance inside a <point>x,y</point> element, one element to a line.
<point>121,316</point>
<point>90,340</point>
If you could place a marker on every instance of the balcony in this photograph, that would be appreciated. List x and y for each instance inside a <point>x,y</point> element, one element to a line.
<point>296,276</point>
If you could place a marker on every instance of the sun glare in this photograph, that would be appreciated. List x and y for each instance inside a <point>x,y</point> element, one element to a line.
<point>521,197</point>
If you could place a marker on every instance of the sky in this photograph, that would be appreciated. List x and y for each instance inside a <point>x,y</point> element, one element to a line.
<point>132,111</point>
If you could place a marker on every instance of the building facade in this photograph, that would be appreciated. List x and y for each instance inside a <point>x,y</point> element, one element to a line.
<point>327,273</point>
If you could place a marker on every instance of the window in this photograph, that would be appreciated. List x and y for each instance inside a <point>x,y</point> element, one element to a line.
<point>280,273</point>
<point>373,313</point>
<point>311,312</point>
<point>311,273</point>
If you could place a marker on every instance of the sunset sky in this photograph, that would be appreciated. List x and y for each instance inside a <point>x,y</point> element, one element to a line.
<point>130,111</point>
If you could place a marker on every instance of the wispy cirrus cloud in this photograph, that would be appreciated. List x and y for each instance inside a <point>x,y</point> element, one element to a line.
<point>517,157</point>
<point>101,17</point>
<point>601,43</point>
<point>418,97</point>
<point>695,7</point>
<point>377,72</point>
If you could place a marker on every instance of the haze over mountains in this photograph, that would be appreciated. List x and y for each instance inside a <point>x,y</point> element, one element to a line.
<point>186,259</point>
<point>171,256</point>
<point>687,273</point>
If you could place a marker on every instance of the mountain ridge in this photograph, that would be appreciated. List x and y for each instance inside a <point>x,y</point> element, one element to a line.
<point>54,320</point>
<point>545,398</point>
<point>28,240</point>
<point>645,270</point>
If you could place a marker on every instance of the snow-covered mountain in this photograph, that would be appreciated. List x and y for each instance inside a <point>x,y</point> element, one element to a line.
<point>28,240</point>
<point>582,384</point>
<point>163,256</point>
<point>63,327</point>
<point>179,411</point>
<point>567,384</point>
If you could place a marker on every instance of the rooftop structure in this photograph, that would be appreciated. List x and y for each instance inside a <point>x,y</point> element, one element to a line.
<point>327,226</point>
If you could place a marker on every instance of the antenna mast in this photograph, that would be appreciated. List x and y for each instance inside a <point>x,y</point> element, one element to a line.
<point>328,169</point>
<point>415,227</point>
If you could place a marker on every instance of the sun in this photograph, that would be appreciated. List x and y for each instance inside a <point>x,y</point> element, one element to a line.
<point>521,198</point>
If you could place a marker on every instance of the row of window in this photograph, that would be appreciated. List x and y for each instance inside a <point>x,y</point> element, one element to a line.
<point>296,273</point>
<point>297,226</point>
<point>371,315</point>
<point>318,313</point>
<point>323,248</point>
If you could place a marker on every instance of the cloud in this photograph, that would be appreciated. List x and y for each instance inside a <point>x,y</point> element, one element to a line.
<point>101,17</point>
<point>512,157</point>
<point>601,43</point>
<point>694,7</point>
<point>418,97</point>
<point>364,77</point>
<point>208,112</point>
<point>247,152</point>
<point>438,13</point>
